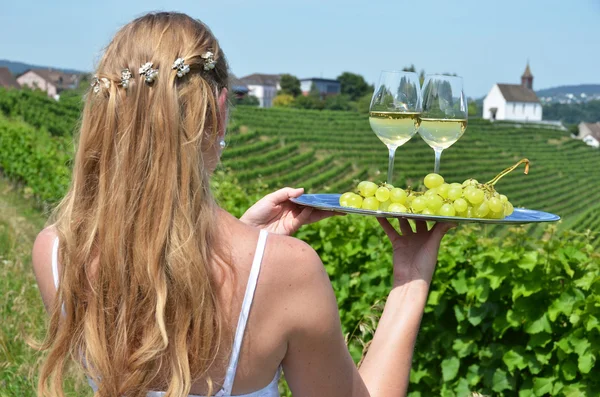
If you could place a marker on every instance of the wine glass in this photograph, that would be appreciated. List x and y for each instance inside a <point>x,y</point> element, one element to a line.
<point>394,111</point>
<point>444,115</point>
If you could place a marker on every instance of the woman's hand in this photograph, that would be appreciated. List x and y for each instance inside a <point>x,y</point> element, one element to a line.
<point>277,214</point>
<point>415,253</point>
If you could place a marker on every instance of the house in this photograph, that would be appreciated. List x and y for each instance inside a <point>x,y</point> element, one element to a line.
<point>262,86</point>
<point>326,87</point>
<point>237,87</point>
<point>49,80</point>
<point>590,133</point>
<point>515,102</point>
<point>7,80</point>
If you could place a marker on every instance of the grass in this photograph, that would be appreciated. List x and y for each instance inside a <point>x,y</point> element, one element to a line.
<point>22,313</point>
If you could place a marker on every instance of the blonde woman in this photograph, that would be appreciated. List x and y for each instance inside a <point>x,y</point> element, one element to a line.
<point>156,291</point>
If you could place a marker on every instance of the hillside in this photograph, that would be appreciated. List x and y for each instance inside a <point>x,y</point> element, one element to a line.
<point>329,151</point>
<point>16,68</point>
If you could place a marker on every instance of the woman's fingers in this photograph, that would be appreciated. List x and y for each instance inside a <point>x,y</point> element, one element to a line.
<point>440,229</point>
<point>388,228</point>
<point>421,226</point>
<point>405,226</point>
<point>282,195</point>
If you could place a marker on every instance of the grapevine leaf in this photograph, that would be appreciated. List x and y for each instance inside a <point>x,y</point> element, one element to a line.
<point>592,323</point>
<point>500,381</point>
<point>586,362</point>
<point>450,368</point>
<point>569,369</point>
<point>542,386</point>
<point>459,283</point>
<point>513,360</point>
<point>528,261</point>
<point>539,325</point>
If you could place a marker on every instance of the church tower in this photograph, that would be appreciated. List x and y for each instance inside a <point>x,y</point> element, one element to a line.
<point>527,78</point>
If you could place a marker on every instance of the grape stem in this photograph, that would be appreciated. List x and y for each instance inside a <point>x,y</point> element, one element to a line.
<point>508,170</point>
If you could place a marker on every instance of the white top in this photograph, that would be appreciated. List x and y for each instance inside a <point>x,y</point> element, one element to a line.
<point>271,389</point>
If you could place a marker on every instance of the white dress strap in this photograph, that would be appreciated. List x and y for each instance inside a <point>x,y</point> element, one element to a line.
<point>243,319</point>
<point>55,263</point>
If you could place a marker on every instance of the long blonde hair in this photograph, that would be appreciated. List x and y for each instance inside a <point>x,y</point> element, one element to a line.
<point>136,226</point>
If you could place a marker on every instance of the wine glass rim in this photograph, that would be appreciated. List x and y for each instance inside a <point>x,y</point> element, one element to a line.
<point>442,75</point>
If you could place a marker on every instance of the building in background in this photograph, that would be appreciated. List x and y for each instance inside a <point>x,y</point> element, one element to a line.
<point>326,87</point>
<point>262,86</point>
<point>590,133</point>
<point>7,80</point>
<point>515,102</point>
<point>49,80</point>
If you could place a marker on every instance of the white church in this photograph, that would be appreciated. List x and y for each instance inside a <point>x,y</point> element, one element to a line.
<point>516,102</point>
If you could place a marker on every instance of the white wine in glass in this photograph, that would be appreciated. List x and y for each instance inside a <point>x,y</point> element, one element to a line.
<point>395,110</point>
<point>444,115</point>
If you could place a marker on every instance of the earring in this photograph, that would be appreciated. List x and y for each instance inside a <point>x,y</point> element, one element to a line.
<point>222,143</point>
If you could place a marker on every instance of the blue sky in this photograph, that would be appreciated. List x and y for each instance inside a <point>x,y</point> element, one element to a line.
<point>483,41</point>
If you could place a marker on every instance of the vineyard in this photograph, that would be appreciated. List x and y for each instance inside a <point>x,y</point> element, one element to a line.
<point>330,151</point>
<point>512,310</point>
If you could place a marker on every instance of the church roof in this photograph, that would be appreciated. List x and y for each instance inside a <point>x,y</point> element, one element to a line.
<point>517,93</point>
<point>594,130</point>
<point>261,79</point>
<point>527,72</point>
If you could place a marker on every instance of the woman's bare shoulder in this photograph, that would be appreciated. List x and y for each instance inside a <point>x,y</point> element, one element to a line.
<point>41,260</point>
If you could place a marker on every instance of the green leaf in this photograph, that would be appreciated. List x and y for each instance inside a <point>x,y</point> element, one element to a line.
<point>473,375</point>
<point>564,303</point>
<point>450,368</point>
<point>500,381</point>
<point>592,323</point>
<point>542,386</point>
<point>528,261</point>
<point>513,360</point>
<point>539,325</point>
<point>586,362</point>
<point>568,369</point>
<point>459,283</point>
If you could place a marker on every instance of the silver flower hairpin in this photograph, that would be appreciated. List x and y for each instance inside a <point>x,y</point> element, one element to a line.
<point>149,74</point>
<point>181,67</point>
<point>125,76</point>
<point>209,61</point>
<point>97,84</point>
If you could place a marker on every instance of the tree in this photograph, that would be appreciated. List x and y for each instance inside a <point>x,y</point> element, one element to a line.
<point>314,91</point>
<point>353,85</point>
<point>283,100</point>
<point>290,85</point>
<point>474,109</point>
<point>249,100</point>
<point>337,102</point>
<point>308,102</point>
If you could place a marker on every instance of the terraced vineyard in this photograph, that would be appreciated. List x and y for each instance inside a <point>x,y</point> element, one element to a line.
<point>329,151</point>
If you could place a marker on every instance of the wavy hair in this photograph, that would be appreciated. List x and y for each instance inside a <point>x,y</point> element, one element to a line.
<point>136,225</point>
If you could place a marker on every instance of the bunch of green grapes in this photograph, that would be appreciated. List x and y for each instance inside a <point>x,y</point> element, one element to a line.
<point>469,199</point>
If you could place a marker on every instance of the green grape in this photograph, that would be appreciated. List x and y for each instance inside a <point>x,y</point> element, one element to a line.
<point>367,188</point>
<point>470,212</point>
<point>475,196</point>
<point>397,207</point>
<point>482,210</point>
<point>443,190</point>
<point>398,195</point>
<point>384,206</point>
<point>382,194</point>
<point>460,205</point>
<point>462,214</point>
<point>370,203</point>
<point>431,192</point>
<point>418,204</point>
<point>495,204</point>
<point>496,215</point>
<point>355,201</point>
<point>456,185</point>
<point>470,182</point>
<point>427,211</point>
<point>434,202</point>
<point>508,208</point>
<point>433,180</point>
<point>409,199</point>
<point>344,199</point>
<point>447,210</point>
<point>467,190</point>
<point>503,198</point>
<point>455,192</point>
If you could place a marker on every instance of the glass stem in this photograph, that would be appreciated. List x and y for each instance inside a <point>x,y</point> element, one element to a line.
<point>392,152</point>
<point>438,155</point>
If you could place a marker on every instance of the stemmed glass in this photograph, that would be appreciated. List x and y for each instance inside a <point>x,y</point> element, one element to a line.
<point>394,111</point>
<point>444,115</point>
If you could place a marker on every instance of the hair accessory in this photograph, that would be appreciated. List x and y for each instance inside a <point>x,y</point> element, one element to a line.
<point>181,67</point>
<point>148,73</point>
<point>96,83</point>
<point>125,76</point>
<point>222,143</point>
<point>209,61</point>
